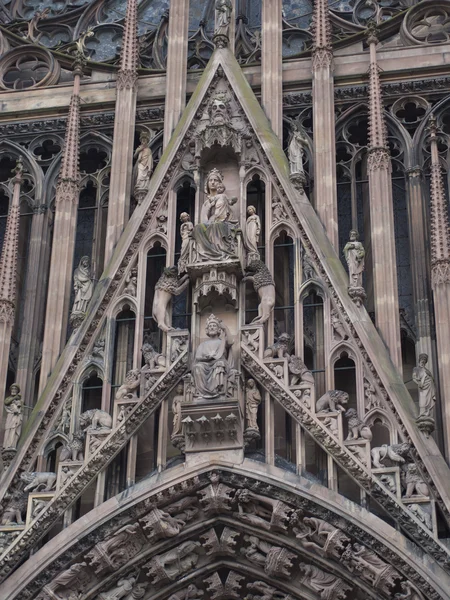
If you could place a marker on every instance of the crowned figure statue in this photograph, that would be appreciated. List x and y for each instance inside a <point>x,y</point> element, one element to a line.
<point>216,235</point>
<point>213,360</point>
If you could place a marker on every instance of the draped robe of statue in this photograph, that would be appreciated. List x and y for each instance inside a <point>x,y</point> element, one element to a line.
<point>83,285</point>
<point>423,378</point>
<point>14,418</point>
<point>354,255</point>
<point>215,237</point>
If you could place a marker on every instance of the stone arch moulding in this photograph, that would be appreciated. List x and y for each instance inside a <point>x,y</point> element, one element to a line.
<point>179,527</point>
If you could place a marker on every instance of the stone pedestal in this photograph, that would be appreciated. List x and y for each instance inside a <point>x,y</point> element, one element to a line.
<point>361,449</point>
<point>36,504</point>
<point>390,477</point>
<point>66,470</point>
<point>333,421</point>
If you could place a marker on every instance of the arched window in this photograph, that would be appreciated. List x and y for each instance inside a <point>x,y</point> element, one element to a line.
<point>283,271</point>
<point>156,262</point>
<point>345,378</point>
<point>91,393</point>
<point>313,339</point>
<point>123,348</point>
<point>181,304</point>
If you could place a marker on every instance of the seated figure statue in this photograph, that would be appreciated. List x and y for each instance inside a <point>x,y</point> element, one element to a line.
<point>213,360</point>
<point>215,236</point>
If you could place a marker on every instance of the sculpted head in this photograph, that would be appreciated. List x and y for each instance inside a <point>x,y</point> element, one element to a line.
<point>214,182</point>
<point>251,384</point>
<point>213,326</point>
<point>184,217</point>
<point>251,210</point>
<point>423,359</point>
<point>85,262</point>
<point>14,390</point>
<point>354,235</point>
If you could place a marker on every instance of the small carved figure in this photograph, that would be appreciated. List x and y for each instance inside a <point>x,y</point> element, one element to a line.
<point>82,285</point>
<point>216,497</point>
<point>80,44</point>
<point>128,389</point>
<point>370,567</point>
<point>251,339</point>
<point>309,271</point>
<point>413,481</point>
<point>64,421</point>
<point>355,256</point>
<point>325,584</point>
<point>338,328</point>
<point>266,592</point>
<point>276,561</point>
<point>98,351</point>
<point>177,401</point>
<point>250,153</point>
<point>213,360</point>
<point>424,380</point>
<point>175,562</point>
<point>280,348</point>
<point>189,593</point>
<point>168,285</point>
<point>264,285</point>
<point>422,515</point>
<point>318,535</point>
<point>370,394</point>
<point>410,592</point>
<point>332,401</point>
<point>252,402</point>
<point>277,369</point>
<point>224,8</point>
<point>153,359</point>
<point>357,429</point>
<point>35,480</point>
<point>131,283</point>
<point>262,511</point>
<point>300,374</point>
<point>396,453</point>
<point>188,160</point>
<point>14,417</point>
<point>296,149</point>
<point>123,589</point>
<point>73,449</point>
<point>95,419</point>
<point>279,214</point>
<point>186,237</point>
<point>143,167</point>
<point>253,231</point>
<point>17,506</point>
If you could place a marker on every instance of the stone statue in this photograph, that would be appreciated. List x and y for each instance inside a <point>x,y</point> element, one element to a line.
<point>252,402</point>
<point>186,236</point>
<point>253,231</point>
<point>264,285</point>
<point>14,417</point>
<point>337,325</point>
<point>177,401</point>
<point>324,584</point>
<point>168,285</point>
<point>354,255</point>
<point>319,536</point>
<point>395,453</point>
<point>424,380</point>
<point>413,481</point>
<point>83,286</point>
<point>123,589</point>
<point>250,153</point>
<point>95,420</point>
<point>153,359</point>
<point>131,283</point>
<point>144,165</point>
<point>213,360</point>
<point>36,479</point>
<point>296,149</point>
<point>332,401</point>
<point>128,389</point>
<point>215,236</point>
<point>357,429</point>
<point>224,8</point>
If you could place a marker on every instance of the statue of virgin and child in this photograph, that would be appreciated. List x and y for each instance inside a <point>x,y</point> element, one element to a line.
<point>215,237</point>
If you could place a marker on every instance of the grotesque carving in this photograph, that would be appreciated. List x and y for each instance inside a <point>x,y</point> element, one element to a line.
<point>216,498</point>
<point>332,401</point>
<point>83,286</point>
<point>17,506</point>
<point>424,380</point>
<point>143,167</point>
<point>35,480</point>
<point>280,348</point>
<point>300,374</point>
<point>262,281</point>
<point>276,561</point>
<point>327,586</point>
<point>168,285</point>
<point>128,389</point>
<point>252,402</point>
<point>262,511</point>
<point>213,360</point>
<point>73,449</point>
<point>152,358</point>
<point>338,328</point>
<point>413,481</point>
<point>253,231</point>
<point>174,563</point>
<point>14,417</point>
<point>319,536</point>
<point>250,153</point>
<point>354,254</point>
<point>95,420</point>
<point>131,283</point>
<point>186,237</point>
<point>357,429</point>
<point>396,453</point>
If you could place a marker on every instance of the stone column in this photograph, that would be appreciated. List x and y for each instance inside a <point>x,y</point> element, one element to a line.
<point>272,65</point>
<point>8,277</point>
<point>325,186</point>
<point>124,126</point>
<point>419,259</point>
<point>61,262</point>
<point>382,217</point>
<point>440,279</point>
<point>176,66</point>
<point>35,294</point>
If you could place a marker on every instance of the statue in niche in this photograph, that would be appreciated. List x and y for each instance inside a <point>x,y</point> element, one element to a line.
<point>83,285</point>
<point>264,285</point>
<point>215,236</point>
<point>168,285</point>
<point>252,402</point>
<point>14,417</point>
<point>177,401</point>
<point>424,380</point>
<point>250,153</point>
<point>354,255</point>
<point>144,164</point>
<point>213,360</point>
<point>131,283</point>
<point>224,8</point>
<point>186,236</point>
<point>296,149</point>
<point>253,231</point>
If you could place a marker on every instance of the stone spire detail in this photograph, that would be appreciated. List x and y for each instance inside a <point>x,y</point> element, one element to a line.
<point>440,228</point>
<point>377,124</point>
<point>321,28</point>
<point>68,185</point>
<point>8,258</point>
<point>129,58</point>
